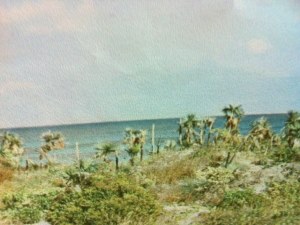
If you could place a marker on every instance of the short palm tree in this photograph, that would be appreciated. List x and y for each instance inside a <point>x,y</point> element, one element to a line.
<point>135,141</point>
<point>226,137</point>
<point>107,149</point>
<point>53,141</point>
<point>233,115</point>
<point>205,126</point>
<point>201,125</point>
<point>209,123</point>
<point>188,125</point>
<point>11,148</point>
<point>261,133</point>
<point>291,132</point>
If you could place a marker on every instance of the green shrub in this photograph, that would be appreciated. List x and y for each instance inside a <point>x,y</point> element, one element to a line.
<point>27,209</point>
<point>284,154</point>
<point>240,198</point>
<point>13,201</point>
<point>279,205</point>
<point>28,215</point>
<point>209,185</point>
<point>109,200</point>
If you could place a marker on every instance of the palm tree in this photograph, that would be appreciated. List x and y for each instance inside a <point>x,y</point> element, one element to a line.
<point>11,148</point>
<point>226,137</point>
<point>135,140</point>
<point>132,152</point>
<point>233,115</point>
<point>292,129</point>
<point>158,144</point>
<point>53,141</point>
<point>105,150</point>
<point>170,145</point>
<point>209,123</point>
<point>260,133</point>
<point>142,136</point>
<point>180,131</point>
<point>189,125</point>
<point>202,127</point>
<point>205,126</point>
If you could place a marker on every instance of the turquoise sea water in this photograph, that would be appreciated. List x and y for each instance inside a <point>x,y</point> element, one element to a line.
<point>88,135</point>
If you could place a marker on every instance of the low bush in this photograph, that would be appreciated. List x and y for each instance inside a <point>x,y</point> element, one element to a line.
<point>239,198</point>
<point>109,200</point>
<point>209,185</point>
<point>172,172</point>
<point>27,209</point>
<point>279,205</point>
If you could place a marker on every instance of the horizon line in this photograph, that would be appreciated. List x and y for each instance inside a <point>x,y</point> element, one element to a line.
<point>120,121</point>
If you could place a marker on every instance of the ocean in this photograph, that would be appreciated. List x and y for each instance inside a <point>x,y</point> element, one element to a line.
<point>89,135</point>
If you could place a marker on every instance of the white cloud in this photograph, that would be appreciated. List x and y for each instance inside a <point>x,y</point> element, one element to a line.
<point>258,46</point>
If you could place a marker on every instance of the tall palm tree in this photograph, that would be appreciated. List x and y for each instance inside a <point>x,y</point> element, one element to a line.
<point>233,115</point>
<point>106,149</point>
<point>291,132</point>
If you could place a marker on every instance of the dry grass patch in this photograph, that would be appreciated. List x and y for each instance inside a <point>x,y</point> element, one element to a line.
<point>172,168</point>
<point>6,174</point>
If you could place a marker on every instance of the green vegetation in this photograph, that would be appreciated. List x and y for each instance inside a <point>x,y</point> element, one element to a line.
<point>11,149</point>
<point>53,141</point>
<point>214,176</point>
<point>106,149</point>
<point>135,140</point>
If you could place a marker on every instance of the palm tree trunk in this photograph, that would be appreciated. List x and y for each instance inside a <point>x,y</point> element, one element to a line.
<point>180,132</point>
<point>132,161</point>
<point>153,137</point>
<point>47,157</point>
<point>142,153</point>
<point>201,137</point>
<point>208,138</point>
<point>117,163</point>
<point>209,134</point>
<point>180,138</point>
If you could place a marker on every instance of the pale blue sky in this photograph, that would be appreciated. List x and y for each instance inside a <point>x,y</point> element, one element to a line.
<point>89,61</point>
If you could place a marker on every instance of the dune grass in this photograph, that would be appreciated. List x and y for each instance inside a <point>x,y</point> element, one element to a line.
<point>189,186</point>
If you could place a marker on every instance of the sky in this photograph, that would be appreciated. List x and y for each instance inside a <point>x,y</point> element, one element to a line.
<point>72,61</point>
